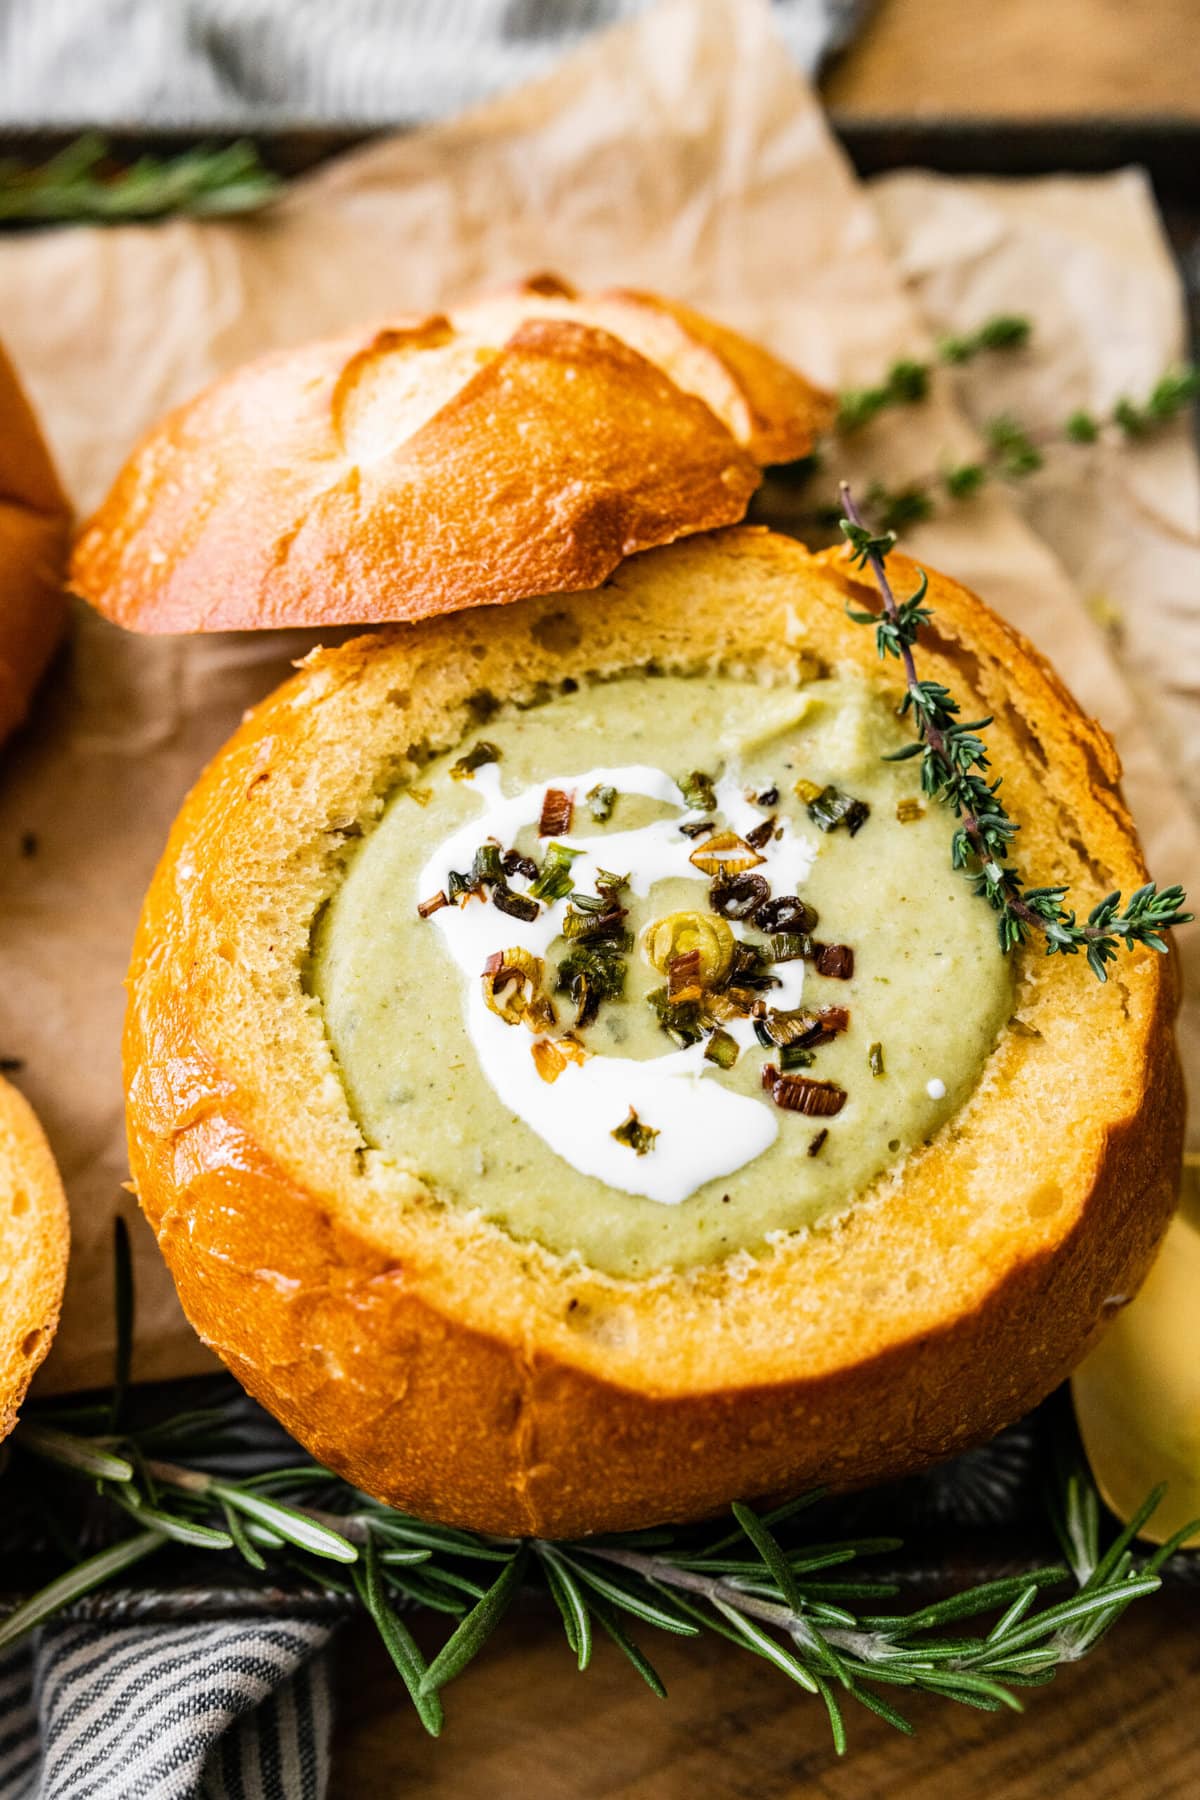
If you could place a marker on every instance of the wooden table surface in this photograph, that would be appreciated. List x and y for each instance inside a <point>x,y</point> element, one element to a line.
<point>523,1724</point>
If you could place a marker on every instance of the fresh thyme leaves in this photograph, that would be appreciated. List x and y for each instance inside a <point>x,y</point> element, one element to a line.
<point>636,1135</point>
<point>1012,451</point>
<point>953,764</point>
<point>601,799</point>
<point>757,1579</point>
<point>83,183</point>
<point>475,758</point>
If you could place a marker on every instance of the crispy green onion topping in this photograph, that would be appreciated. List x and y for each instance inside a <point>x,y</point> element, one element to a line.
<point>638,1137</point>
<point>799,1093</point>
<point>480,753</point>
<point>554,878</point>
<point>487,867</point>
<point>790,946</point>
<point>721,1049</point>
<point>875,1059</point>
<point>590,973</point>
<point>680,1019</point>
<point>601,799</point>
<point>817,1144</point>
<point>832,807</point>
<point>517,906</point>
<point>795,1056</point>
<point>698,791</point>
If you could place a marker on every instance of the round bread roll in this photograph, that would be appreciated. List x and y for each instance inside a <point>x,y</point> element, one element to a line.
<point>516,445</point>
<point>34,526</point>
<point>34,1237</point>
<point>467,1372</point>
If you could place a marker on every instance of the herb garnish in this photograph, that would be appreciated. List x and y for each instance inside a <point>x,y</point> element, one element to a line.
<point>601,799</point>
<point>832,808</point>
<point>725,853</point>
<point>761,834</point>
<point>953,761</point>
<point>698,792</point>
<point>475,758</point>
<point>590,973</point>
<point>634,1134</point>
<point>757,1578</point>
<point>553,881</point>
<point>721,1049</point>
<point>834,961</point>
<point>875,1059</point>
<point>801,1094</point>
<point>517,906</point>
<point>512,988</point>
<point>557,808</point>
<point>738,896</point>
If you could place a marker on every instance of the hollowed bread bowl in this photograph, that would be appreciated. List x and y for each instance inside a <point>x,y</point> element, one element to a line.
<point>466,1376</point>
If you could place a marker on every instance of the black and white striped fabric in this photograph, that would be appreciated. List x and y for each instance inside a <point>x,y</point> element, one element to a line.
<point>248,65</point>
<point>214,1711</point>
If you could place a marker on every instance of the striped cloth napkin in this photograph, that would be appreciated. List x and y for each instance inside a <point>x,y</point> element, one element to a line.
<point>234,1710</point>
<point>219,1711</point>
<point>249,65</point>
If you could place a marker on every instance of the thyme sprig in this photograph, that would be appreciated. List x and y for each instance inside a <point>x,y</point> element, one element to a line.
<point>758,1579</point>
<point>1012,451</point>
<point>84,183</point>
<point>954,762</point>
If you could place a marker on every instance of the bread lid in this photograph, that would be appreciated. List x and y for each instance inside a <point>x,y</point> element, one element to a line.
<point>34,1237</point>
<point>33,552</point>
<point>523,443</point>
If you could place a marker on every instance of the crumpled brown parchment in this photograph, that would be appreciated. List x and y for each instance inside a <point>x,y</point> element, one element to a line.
<point>680,152</point>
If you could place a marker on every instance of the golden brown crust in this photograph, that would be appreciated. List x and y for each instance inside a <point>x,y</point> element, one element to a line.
<point>468,1377</point>
<point>34,525</point>
<point>34,1239</point>
<point>524,444</point>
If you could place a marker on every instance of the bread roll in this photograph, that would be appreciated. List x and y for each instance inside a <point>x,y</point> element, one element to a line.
<point>33,550</point>
<point>34,1236</point>
<point>466,1373</point>
<point>520,444</point>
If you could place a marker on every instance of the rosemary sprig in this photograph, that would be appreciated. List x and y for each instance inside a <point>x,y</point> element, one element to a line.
<point>953,764</point>
<point>758,1583</point>
<point>83,183</point>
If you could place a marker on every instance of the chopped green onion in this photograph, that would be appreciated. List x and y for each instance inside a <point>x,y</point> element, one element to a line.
<point>554,878</point>
<point>722,1049</point>
<point>832,807</point>
<point>480,753</point>
<point>875,1059</point>
<point>601,799</point>
<point>638,1137</point>
<point>698,791</point>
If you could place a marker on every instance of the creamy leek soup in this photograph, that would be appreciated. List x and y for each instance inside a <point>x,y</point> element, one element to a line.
<point>661,967</point>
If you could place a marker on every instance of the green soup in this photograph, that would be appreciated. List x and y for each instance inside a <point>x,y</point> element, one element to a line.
<point>604,1149</point>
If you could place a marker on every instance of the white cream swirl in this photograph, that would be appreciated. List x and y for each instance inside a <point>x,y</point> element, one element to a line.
<point>704,1130</point>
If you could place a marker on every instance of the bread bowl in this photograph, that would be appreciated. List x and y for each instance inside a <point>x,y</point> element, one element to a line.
<point>34,1236</point>
<point>500,1375</point>
<point>34,532</point>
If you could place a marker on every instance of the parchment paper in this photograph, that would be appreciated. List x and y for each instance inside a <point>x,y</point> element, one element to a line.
<point>680,152</point>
